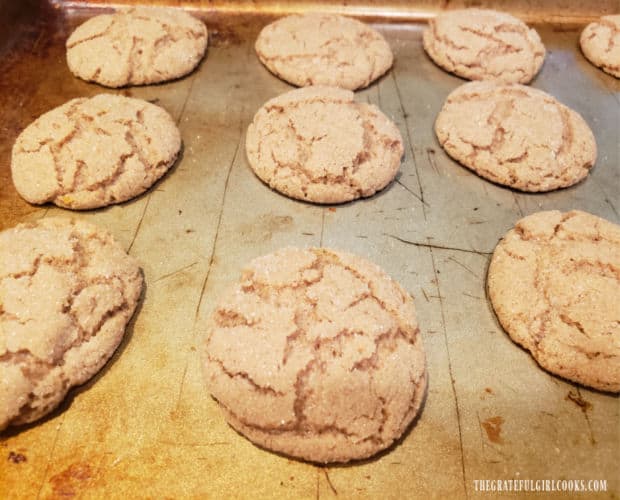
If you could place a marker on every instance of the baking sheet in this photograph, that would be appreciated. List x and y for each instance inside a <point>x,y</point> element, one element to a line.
<point>146,426</point>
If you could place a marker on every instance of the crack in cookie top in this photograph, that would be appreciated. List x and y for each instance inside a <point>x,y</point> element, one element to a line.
<point>317,144</point>
<point>554,282</point>
<point>316,354</point>
<point>600,43</point>
<point>92,152</point>
<point>481,44</point>
<point>136,46</point>
<point>324,49</point>
<point>515,135</point>
<point>67,291</point>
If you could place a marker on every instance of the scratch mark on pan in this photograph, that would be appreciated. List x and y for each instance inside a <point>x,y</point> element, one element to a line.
<point>439,247</point>
<point>189,92</point>
<point>612,207</point>
<point>411,192</point>
<point>454,393</point>
<point>322,227</point>
<point>178,403</point>
<point>329,482</point>
<point>464,266</point>
<point>413,158</point>
<point>175,272</point>
<point>317,483</point>
<point>45,213</point>
<point>135,234</point>
<point>219,222</point>
<point>193,445</point>
<point>430,155</point>
<point>50,458</point>
<point>514,195</point>
<point>482,442</point>
<point>584,406</point>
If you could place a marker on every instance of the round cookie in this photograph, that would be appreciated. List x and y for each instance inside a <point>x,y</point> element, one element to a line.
<point>67,291</point>
<point>93,152</point>
<point>600,43</point>
<point>136,46</point>
<point>481,44</point>
<point>554,282</point>
<point>317,144</point>
<point>324,49</point>
<point>316,354</point>
<point>515,135</point>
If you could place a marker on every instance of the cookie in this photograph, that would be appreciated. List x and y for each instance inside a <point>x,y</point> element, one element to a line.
<point>316,354</point>
<point>600,43</point>
<point>481,44</point>
<point>515,135</point>
<point>317,144</point>
<point>554,282</point>
<point>92,152</point>
<point>324,49</point>
<point>136,46</point>
<point>67,291</point>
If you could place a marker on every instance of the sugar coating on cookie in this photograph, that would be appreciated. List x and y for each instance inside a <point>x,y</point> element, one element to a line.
<point>482,44</point>
<point>554,282</point>
<point>600,43</point>
<point>515,135</point>
<point>92,152</point>
<point>136,46</point>
<point>317,144</point>
<point>324,49</point>
<point>316,354</point>
<point>67,291</point>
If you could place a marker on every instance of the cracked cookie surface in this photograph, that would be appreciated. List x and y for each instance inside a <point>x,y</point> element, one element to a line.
<point>93,152</point>
<point>482,44</point>
<point>554,282</point>
<point>600,43</point>
<point>322,49</point>
<point>67,291</point>
<point>317,144</point>
<point>136,46</point>
<point>515,135</point>
<point>316,354</point>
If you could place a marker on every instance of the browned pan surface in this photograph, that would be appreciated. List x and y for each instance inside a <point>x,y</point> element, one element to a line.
<point>146,427</point>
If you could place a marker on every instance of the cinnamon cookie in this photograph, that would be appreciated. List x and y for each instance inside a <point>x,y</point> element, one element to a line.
<point>93,152</point>
<point>600,43</point>
<point>136,46</point>
<point>554,282</point>
<point>317,144</point>
<point>516,135</point>
<point>316,354</point>
<point>323,49</point>
<point>67,291</point>
<point>481,44</point>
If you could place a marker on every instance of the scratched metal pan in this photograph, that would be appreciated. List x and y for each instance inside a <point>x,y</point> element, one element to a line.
<point>146,427</point>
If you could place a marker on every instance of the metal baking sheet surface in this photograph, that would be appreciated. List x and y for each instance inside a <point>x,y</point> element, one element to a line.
<point>146,426</point>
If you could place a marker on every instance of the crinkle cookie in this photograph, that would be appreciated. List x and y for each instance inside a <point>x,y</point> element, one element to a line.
<point>136,46</point>
<point>67,291</point>
<point>481,44</point>
<point>554,282</point>
<point>600,43</point>
<point>93,152</point>
<point>324,49</point>
<point>317,144</point>
<point>515,135</point>
<point>316,354</point>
